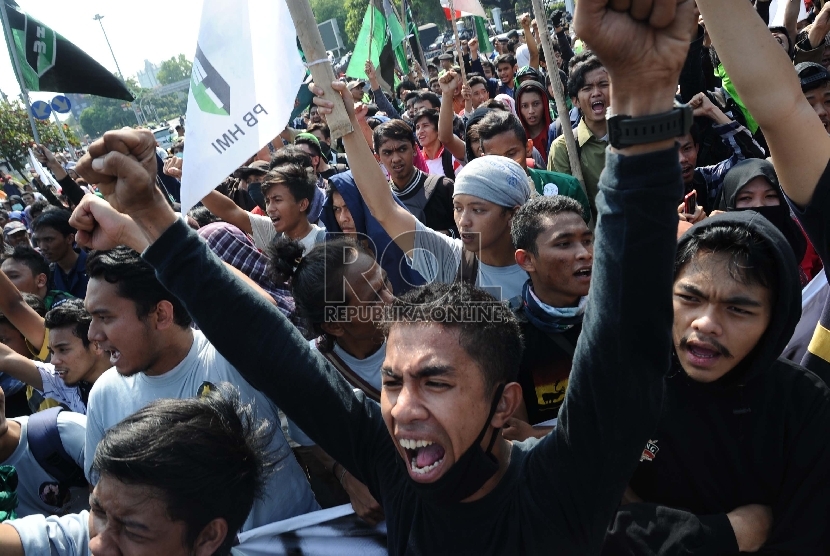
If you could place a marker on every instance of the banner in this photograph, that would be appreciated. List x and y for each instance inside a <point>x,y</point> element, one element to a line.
<point>245,77</point>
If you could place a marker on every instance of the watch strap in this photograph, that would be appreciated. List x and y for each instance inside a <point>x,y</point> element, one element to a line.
<point>626,131</point>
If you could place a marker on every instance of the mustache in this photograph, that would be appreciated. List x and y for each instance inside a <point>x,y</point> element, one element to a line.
<point>722,349</point>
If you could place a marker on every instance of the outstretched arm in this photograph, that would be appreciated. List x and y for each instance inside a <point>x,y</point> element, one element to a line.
<point>615,390</point>
<point>227,210</point>
<point>375,190</point>
<point>798,142</point>
<point>449,82</point>
<point>22,317</point>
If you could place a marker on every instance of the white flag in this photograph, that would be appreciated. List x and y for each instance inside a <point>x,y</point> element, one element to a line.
<point>463,8</point>
<point>246,74</point>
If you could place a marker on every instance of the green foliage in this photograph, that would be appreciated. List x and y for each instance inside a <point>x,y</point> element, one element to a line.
<point>423,12</point>
<point>173,70</point>
<point>333,9</point>
<point>105,114</point>
<point>16,134</point>
<point>429,11</point>
<point>355,10</point>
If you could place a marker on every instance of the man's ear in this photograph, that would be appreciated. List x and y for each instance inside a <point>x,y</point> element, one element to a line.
<point>211,537</point>
<point>525,260</point>
<point>164,315</point>
<point>41,280</point>
<point>304,205</point>
<point>510,400</point>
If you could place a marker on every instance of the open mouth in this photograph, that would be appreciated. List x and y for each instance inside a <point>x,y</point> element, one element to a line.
<point>583,273</point>
<point>424,456</point>
<point>702,355</point>
<point>598,107</point>
<point>115,355</point>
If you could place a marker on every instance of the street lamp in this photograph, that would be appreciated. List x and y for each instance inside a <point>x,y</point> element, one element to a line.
<point>98,18</point>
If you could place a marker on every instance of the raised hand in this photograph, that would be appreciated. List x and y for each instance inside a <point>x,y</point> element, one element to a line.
<point>449,82</point>
<point>100,226</point>
<point>642,43</point>
<point>173,167</point>
<point>123,165</point>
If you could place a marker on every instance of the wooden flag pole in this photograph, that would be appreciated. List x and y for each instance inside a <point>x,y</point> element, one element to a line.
<point>371,29</point>
<point>558,94</point>
<point>458,44</point>
<point>319,65</point>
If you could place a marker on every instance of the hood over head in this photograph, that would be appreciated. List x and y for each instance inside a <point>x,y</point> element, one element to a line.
<point>786,308</point>
<point>536,87</point>
<point>744,172</point>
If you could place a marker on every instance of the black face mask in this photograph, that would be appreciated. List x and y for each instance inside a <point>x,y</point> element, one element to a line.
<point>474,468</point>
<point>779,216</point>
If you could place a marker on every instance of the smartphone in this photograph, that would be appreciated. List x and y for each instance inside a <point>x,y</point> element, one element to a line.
<point>690,202</point>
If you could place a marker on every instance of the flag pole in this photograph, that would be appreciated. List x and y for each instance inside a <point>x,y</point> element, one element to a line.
<point>458,44</point>
<point>7,31</point>
<point>372,28</point>
<point>319,64</point>
<point>559,95</point>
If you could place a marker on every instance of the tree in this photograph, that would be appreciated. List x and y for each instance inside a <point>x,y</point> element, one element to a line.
<point>332,9</point>
<point>173,70</point>
<point>16,135</point>
<point>423,12</point>
<point>355,10</point>
<point>105,114</point>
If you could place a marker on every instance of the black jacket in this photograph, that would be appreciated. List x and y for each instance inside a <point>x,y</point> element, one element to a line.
<point>758,435</point>
<point>559,493</point>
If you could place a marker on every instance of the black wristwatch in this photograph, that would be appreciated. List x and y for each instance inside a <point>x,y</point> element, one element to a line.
<point>625,131</point>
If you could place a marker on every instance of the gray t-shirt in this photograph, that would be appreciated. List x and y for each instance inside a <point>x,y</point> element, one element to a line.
<point>37,491</point>
<point>437,256</point>
<point>55,388</point>
<point>114,397</point>
<point>263,232</point>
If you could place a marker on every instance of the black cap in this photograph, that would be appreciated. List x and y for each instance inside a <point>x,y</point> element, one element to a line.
<point>811,75</point>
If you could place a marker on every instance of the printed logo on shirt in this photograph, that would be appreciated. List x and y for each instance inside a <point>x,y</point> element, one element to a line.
<point>550,190</point>
<point>650,452</point>
<point>53,494</point>
<point>204,389</point>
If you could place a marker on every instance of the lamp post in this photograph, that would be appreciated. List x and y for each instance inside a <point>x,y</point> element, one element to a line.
<point>98,18</point>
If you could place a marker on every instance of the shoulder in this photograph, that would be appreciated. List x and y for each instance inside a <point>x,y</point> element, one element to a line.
<point>108,383</point>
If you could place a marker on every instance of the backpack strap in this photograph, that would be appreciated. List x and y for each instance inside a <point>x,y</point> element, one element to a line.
<point>446,162</point>
<point>47,449</point>
<point>352,377</point>
<point>430,185</point>
<point>467,268</point>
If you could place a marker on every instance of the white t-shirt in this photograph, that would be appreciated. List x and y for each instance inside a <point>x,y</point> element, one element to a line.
<point>368,369</point>
<point>114,397</point>
<point>55,388</point>
<point>523,56</point>
<point>37,491</point>
<point>264,233</point>
<point>436,257</point>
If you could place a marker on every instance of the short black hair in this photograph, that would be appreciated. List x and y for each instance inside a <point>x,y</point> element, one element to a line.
<point>39,206</point>
<point>202,215</point>
<point>430,97</point>
<point>70,313</point>
<point>299,180</point>
<point>504,59</point>
<point>136,281</point>
<point>488,63</point>
<point>320,126</point>
<point>751,258</point>
<point>393,130</point>
<point>28,256</point>
<point>498,122</point>
<point>529,221</point>
<point>487,329</point>
<point>57,219</point>
<point>411,95</point>
<point>290,154</point>
<point>430,114</point>
<point>317,280</point>
<point>32,301</point>
<point>476,80</point>
<point>405,85</point>
<point>313,144</point>
<point>576,77</point>
<point>211,462</point>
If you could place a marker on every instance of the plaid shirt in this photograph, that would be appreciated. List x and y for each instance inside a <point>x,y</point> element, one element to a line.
<point>235,248</point>
<point>713,175</point>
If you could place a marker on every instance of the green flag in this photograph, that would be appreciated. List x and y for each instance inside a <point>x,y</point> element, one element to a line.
<point>414,36</point>
<point>484,44</point>
<point>49,62</point>
<point>396,36</point>
<point>373,30</point>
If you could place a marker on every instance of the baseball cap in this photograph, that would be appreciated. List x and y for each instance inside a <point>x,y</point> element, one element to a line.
<point>308,137</point>
<point>13,227</point>
<point>256,167</point>
<point>445,56</point>
<point>811,75</point>
<point>354,84</point>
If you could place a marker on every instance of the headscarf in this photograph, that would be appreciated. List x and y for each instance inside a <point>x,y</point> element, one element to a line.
<point>496,179</point>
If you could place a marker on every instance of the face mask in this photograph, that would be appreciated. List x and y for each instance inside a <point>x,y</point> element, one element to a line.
<point>17,207</point>
<point>179,155</point>
<point>474,468</point>
<point>779,216</point>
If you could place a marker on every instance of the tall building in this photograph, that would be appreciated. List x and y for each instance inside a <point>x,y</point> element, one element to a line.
<point>147,77</point>
<point>78,102</point>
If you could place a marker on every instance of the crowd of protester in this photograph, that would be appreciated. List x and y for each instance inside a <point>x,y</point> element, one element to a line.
<point>433,320</point>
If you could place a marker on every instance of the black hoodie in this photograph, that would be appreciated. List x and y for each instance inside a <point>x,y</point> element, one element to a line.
<point>758,435</point>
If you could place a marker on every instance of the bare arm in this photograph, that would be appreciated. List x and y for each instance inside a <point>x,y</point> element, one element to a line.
<point>10,543</point>
<point>396,220</point>
<point>21,368</point>
<point>532,47</point>
<point>791,17</point>
<point>788,120</point>
<point>820,27</point>
<point>449,82</point>
<point>22,317</point>
<point>227,210</point>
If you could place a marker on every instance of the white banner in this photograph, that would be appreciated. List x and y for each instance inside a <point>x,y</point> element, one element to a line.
<point>246,73</point>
